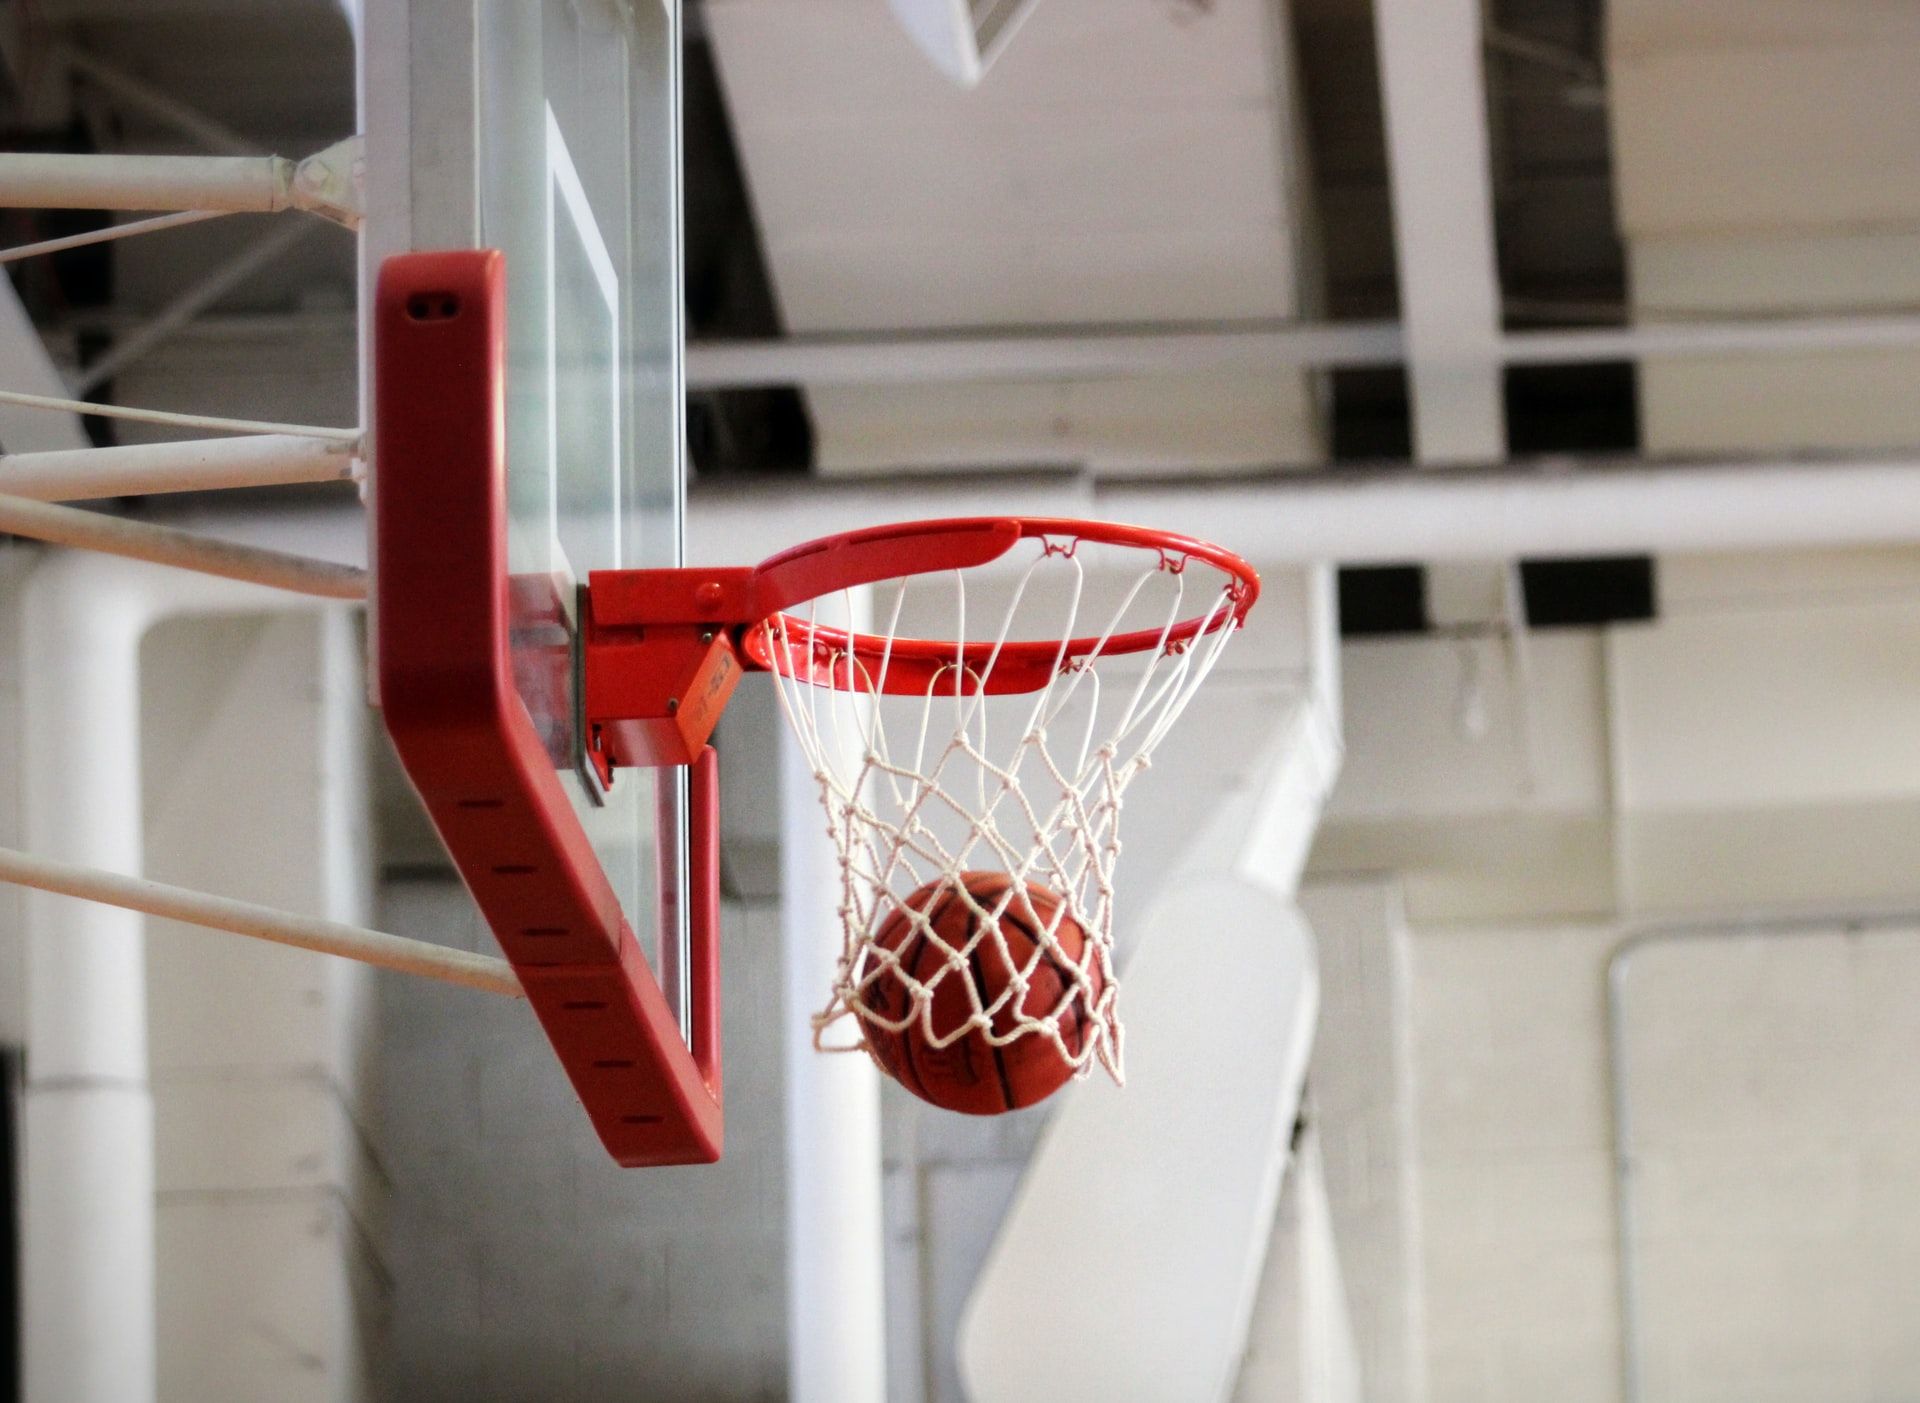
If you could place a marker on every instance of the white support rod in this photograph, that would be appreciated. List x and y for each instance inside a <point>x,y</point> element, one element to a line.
<point>322,183</point>
<point>133,228</point>
<point>195,465</point>
<point>1383,517</point>
<point>180,310</point>
<point>236,184</point>
<point>393,952</point>
<point>215,422</point>
<point>163,545</point>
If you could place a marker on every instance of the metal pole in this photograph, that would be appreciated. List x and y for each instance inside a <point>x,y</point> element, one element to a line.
<point>322,183</point>
<point>35,180</point>
<point>215,422</point>
<point>163,545</point>
<point>88,1248</point>
<point>1757,336</point>
<point>193,465</point>
<point>372,947</point>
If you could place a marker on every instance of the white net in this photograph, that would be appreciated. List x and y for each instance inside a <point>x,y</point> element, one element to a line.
<point>940,763</point>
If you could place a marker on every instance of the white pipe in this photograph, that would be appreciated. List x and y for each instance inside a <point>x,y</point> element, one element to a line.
<point>391,952</point>
<point>1077,355</point>
<point>1757,336</point>
<point>321,184</point>
<point>1379,517</point>
<point>255,184</point>
<point>88,1248</point>
<point>836,1315</point>
<point>1103,354</point>
<point>195,465</point>
<point>183,550</point>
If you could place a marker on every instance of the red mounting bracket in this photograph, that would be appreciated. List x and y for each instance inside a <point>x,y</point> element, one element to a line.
<point>660,662</point>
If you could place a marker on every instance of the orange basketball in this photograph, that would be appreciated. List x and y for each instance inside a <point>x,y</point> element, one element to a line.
<point>970,1073</point>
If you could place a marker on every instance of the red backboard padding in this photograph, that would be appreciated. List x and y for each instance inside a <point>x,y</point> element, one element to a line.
<point>447,693</point>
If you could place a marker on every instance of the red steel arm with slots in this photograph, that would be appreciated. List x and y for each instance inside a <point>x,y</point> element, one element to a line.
<point>471,750</point>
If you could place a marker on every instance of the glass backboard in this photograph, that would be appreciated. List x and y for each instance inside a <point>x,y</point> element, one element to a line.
<point>578,171</point>
<point>565,155</point>
<point>547,131</point>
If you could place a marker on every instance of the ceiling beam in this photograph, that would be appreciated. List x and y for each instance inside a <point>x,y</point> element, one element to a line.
<point>1433,91</point>
<point>1098,353</point>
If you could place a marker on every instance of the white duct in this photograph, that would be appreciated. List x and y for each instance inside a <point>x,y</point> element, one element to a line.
<point>973,358</point>
<point>1361,517</point>
<point>89,1176</point>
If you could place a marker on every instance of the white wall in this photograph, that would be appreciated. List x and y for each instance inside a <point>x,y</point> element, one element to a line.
<point>270,1273</point>
<point>1751,747</point>
<point>1770,1078</point>
<point>1361,1105</point>
<point>1516,1201</point>
<point>527,1266</point>
<point>1305,1352</point>
<point>1747,756</point>
<point>1769,1089</point>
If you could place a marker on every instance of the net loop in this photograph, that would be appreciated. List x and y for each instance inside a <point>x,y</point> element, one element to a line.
<point>1007,751</point>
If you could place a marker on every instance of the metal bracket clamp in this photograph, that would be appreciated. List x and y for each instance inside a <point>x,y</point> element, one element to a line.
<point>660,662</point>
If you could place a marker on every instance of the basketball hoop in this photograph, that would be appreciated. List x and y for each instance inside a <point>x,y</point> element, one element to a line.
<point>1008,748</point>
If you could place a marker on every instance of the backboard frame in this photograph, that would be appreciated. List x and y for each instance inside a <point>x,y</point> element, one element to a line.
<point>486,776</point>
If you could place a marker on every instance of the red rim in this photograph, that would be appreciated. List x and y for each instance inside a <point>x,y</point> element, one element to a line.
<point>915,665</point>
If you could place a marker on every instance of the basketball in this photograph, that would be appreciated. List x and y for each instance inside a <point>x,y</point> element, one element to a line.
<point>973,1073</point>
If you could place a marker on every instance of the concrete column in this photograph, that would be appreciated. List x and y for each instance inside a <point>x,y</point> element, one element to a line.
<point>89,1225</point>
<point>88,1248</point>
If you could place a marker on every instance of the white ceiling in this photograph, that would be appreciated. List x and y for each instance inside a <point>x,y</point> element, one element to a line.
<point>1766,160</point>
<point>1125,162</point>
